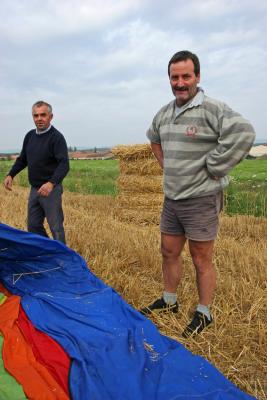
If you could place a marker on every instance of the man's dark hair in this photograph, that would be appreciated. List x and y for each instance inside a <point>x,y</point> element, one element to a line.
<point>183,56</point>
<point>41,103</point>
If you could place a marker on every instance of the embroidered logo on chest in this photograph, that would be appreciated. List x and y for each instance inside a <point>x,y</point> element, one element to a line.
<point>191,131</point>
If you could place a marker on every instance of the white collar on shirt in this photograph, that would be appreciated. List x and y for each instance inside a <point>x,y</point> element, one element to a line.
<point>41,132</point>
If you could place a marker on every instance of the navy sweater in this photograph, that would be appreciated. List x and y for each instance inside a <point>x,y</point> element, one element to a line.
<point>45,155</point>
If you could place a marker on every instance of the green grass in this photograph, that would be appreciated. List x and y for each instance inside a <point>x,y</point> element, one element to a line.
<point>92,177</point>
<point>21,179</point>
<point>246,194</point>
<point>85,176</point>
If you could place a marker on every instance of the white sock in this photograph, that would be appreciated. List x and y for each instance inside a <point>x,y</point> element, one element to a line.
<point>169,298</point>
<point>204,310</point>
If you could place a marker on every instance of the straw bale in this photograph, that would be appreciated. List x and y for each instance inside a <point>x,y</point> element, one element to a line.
<point>139,184</point>
<point>147,201</point>
<point>140,167</point>
<point>142,209</point>
<point>133,152</point>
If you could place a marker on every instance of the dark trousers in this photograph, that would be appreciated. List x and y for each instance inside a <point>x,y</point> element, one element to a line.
<point>50,207</point>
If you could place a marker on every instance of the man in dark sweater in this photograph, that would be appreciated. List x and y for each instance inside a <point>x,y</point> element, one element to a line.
<point>45,153</point>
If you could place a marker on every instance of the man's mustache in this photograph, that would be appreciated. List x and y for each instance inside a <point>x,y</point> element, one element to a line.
<point>181,88</point>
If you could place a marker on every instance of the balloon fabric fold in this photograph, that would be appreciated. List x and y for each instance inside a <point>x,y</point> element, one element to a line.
<point>19,359</point>
<point>116,353</point>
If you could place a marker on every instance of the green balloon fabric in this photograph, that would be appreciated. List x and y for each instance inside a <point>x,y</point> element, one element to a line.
<point>10,389</point>
<point>2,298</point>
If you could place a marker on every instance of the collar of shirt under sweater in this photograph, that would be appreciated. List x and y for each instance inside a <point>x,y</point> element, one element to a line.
<point>41,132</point>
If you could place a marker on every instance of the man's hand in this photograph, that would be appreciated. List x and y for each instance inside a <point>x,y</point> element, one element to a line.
<point>8,182</point>
<point>215,178</point>
<point>46,189</point>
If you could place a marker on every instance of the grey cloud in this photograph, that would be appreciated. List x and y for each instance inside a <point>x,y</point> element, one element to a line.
<point>105,69</point>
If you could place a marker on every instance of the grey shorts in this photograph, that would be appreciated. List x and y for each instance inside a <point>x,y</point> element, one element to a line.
<point>195,218</point>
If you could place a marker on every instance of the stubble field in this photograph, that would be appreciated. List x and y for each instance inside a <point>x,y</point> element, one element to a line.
<point>126,256</point>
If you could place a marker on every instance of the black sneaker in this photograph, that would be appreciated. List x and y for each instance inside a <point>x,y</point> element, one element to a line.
<point>160,306</point>
<point>198,323</point>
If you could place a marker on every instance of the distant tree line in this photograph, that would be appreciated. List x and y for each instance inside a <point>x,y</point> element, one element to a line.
<point>74,148</point>
<point>5,157</point>
<point>70,148</point>
<point>93,149</point>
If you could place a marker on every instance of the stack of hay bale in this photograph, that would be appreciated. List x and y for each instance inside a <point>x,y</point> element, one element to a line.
<point>140,185</point>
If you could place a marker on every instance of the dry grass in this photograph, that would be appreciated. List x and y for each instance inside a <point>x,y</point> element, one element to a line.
<point>144,201</point>
<point>126,256</point>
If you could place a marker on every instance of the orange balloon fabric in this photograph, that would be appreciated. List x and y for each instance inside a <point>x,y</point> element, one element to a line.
<point>19,359</point>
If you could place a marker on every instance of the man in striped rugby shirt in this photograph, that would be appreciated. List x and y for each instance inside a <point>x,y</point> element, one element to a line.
<point>197,140</point>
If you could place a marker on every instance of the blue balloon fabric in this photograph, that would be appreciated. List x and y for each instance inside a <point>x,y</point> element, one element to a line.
<point>116,353</point>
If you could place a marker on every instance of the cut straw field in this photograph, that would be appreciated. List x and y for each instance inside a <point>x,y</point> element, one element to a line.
<point>126,256</point>
<point>119,239</point>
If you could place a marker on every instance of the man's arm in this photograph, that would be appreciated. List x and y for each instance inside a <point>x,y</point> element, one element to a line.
<point>153,136</point>
<point>61,155</point>
<point>236,138</point>
<point>157,150</point>
<point>19,165</point>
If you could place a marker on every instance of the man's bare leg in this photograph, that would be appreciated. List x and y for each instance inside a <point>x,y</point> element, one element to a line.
<point>171,249</point>
<point>201,253</point>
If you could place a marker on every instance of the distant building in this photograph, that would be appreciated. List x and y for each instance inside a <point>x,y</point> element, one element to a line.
<point>259,151</point>
<point>88,155</point>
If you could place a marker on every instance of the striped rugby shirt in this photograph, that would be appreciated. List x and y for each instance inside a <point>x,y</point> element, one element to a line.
<point>204,138</point>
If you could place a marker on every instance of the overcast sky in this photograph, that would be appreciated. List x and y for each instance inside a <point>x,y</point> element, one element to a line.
<point>102,64</point>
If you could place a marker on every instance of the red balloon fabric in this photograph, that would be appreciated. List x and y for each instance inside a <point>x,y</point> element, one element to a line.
<point>46,351</point>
